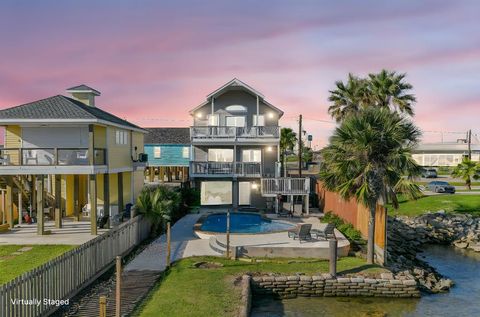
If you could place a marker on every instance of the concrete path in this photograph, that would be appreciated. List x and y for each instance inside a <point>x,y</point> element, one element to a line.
<point>184,244</point>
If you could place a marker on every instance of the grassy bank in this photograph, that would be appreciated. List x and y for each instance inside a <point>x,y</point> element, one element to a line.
<point>189,291</point>
<point>449,203</point>
<point>15,262</point>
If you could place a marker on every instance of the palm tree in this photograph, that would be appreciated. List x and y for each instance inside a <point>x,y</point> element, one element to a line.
<point>466,171</point>
<point>367,158</point>
<point>288,139</point>
<point>388,89</point>
<point>348,98</point>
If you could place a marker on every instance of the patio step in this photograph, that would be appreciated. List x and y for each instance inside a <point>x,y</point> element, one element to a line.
<point>216,246</point>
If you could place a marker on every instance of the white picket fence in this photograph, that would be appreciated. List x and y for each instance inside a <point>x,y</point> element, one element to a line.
<point>66,275</point>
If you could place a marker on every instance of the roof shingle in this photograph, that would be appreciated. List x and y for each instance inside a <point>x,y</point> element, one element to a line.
<point>167,136</point>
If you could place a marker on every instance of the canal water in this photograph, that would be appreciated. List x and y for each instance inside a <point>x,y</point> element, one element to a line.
<point>463,299</point>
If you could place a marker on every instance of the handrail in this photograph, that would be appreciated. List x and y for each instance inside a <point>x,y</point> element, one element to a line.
<point>226,168</point>
<point>210,132</point>
<point>50,156</point>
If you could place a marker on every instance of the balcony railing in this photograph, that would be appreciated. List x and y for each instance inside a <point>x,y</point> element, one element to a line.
<point>221,132</point>
<point>50,156</point>
<point>245,169</point>
<point>285,186</point>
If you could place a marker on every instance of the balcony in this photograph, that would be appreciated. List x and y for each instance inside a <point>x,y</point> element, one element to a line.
<point>50,157</point>
<point>226,169</point>
<point>223,133</point>
<point>271,187</point>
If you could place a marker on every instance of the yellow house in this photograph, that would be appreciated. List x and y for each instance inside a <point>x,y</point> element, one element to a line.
<point>69,158</point>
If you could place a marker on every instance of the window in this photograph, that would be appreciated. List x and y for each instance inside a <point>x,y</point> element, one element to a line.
<point>236,121</point>
<point>251,156</point>
<point>213,119</point>
<point>236,108</point>
<point>157,152</point>
<point>216,193</point>
<point>220,155</point>
<point>259,120</point>
<point>121,137</point>
<point>186,152</point>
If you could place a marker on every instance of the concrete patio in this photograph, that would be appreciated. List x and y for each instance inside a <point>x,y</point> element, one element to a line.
<point>72,233</point>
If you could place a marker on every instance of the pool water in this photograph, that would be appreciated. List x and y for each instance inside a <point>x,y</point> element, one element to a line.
<point>243,223</point>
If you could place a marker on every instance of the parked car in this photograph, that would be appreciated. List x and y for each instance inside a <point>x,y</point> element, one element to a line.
<point>429,173</point>
<point>441,187</point>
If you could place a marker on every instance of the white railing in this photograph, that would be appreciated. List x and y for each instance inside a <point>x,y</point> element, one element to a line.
<point>285,186</point>
<point>66,275</point>
<point>222,132</point>
<point>226,168</point>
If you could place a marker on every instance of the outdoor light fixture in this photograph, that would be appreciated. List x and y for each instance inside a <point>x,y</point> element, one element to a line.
<point>269,149</point>
<point>254,185</point>
<point>199,115</point>
<point>271,115</point>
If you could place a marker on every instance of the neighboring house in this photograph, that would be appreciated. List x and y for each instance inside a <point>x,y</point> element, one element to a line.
<point>67,154</point>
<point>168,152</point>
<point>445,154</point>
<point>235,149</point>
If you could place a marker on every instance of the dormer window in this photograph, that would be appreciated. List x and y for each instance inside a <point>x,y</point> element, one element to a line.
<point>236,108</point>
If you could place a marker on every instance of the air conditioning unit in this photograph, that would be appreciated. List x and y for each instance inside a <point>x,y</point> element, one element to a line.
<point>143,157</point>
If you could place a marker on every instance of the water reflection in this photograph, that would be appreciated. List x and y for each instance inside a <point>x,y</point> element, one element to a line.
<point>462,300</point>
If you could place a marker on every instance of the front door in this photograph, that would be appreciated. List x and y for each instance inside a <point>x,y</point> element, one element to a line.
<point>244,193</point>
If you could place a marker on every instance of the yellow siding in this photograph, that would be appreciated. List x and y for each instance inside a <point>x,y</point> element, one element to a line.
<point>113,189</point>
<point>127,187</point>
<point>138,141</point>
<point>100,136</point>
<point>13,139</point>
<point>100,195</point>
<point>137,184</point>
<point>118,155</point>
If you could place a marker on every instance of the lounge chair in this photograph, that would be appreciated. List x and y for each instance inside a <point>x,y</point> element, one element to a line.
<point>301,231</point>
<point>284,213</point>
<point>327,232</point>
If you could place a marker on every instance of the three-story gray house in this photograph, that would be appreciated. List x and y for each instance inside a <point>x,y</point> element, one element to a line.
<point>235,153</point>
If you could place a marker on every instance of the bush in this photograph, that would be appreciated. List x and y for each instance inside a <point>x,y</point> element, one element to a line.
<point>345,228</point>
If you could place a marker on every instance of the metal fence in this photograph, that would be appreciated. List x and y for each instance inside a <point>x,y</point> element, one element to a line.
<point>64,276</point>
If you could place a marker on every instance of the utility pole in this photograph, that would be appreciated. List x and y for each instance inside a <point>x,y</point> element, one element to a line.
<point>300,146</point>
<point>469,140</point>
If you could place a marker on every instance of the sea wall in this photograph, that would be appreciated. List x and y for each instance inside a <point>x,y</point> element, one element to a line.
<point>291,286</point>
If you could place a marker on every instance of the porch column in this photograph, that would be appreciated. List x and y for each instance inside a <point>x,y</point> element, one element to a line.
<point>307,203</point>
<point>9,201</point>
<point>106,198</point>
<point>93,203</point>
<point>151,174</point>
<point>58,201</point>
<point>4,208</point>
<point>120,192</point>
<point>20,206</point>
<point>40,205</point>
<point>161,174</point>
<point>76,194</point>
<point>33,196</point>
<point>235,194</point>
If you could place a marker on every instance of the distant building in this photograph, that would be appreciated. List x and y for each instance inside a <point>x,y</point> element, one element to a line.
<point>168,152</point>
<point>445,154</point>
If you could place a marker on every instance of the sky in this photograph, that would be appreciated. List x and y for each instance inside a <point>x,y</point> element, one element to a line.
<point>153,61</point>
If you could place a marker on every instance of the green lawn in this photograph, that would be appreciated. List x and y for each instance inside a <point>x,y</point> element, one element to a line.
<point>449,203</point>
<point>189,291</point>
<point>13,265</point>
<point>451,183</point>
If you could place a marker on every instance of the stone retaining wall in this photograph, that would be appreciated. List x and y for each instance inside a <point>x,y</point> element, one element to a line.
<point>324,285</point>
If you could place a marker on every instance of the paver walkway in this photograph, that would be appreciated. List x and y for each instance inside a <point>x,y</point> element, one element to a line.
<point>184,244</point>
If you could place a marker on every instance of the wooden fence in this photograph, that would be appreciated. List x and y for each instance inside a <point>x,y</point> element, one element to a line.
<point>66,275</point>
<point>357,215</point>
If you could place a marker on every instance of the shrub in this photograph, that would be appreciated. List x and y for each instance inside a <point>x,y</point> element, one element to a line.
<point>345,228</point>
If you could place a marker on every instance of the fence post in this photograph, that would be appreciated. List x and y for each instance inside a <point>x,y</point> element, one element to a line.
<point>168,244</point>
<point>228,234</point>
<point>103,306</point>
<point>118,303</point>
<point>333,256</point>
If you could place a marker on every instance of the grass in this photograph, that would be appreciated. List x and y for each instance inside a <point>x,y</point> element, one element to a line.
<point>189,291</point>
<point>13,265</point>
<point>451,183</point>
<point>449,203</point>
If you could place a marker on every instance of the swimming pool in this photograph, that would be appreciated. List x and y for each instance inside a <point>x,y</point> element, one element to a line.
<point>242,222</point>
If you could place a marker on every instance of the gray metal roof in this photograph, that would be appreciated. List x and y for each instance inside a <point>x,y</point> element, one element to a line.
<point>167,136</point>
<point>60,107</point>
<point>447,147</point>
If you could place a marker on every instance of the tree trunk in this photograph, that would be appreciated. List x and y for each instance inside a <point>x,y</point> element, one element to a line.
<point>371,234</point>
<point>469,184</point>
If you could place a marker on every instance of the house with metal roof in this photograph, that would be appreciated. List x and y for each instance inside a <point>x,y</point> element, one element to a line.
<point>168,151</point>
<point>65,157</point>
<point>445,153</point>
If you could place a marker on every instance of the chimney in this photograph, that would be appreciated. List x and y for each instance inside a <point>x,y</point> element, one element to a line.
<point>84,94</point>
